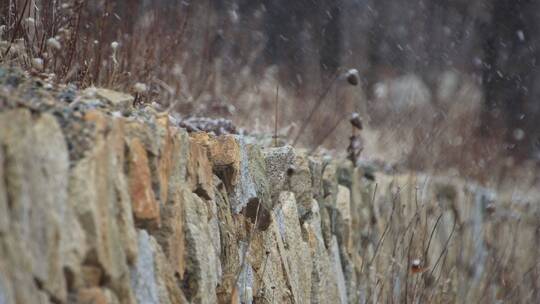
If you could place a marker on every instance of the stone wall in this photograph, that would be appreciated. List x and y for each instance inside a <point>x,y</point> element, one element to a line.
<point>101,207</point>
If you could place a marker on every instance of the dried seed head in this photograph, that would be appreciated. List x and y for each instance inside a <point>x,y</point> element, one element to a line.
<point>355,148</point>
<point>140,87</point>
<point>37,63</point>
<point>114,45</point>
<point>53,43</point>
<point>490,208</point>
<point>90,92</point>
<point>356,121</point>
<point>353,77</point>
<point>518,134</point>
<point>416,266</point>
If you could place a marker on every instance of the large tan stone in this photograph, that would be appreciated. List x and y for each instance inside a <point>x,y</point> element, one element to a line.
<point>202,138</point>
<point>301,183</point>
<point>180,146</point>
<point>171,233</point>
<point>168,283</point>
<point>279,164</point>
<point>316,166</point>
<point>157,137</point>
<point>144,204</point>
<point>287,170</point>
<point>225,151</point>
<point>330,184</point>
<point>294,252</point>
<point>324,287</point>
<point>103,214</point>
<point>36,177</point>
<point>117,100</point>
<point>229,250</point>
<point>225,156</point>
<point>152,278</point>
<point>165,157</point>
<point>146,133</point>
<point>270,281</point>
<point>199,170</point>
<point>124,214</point>
<point>251,196</point>
<point>202,261</point>
<point>143,274</point>
<point>16,279</point>
<point>91,275</point>
<point>6,289</point>
<point>96,296</point>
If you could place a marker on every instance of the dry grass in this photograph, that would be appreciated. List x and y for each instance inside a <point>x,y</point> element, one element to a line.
<point>443,241</point>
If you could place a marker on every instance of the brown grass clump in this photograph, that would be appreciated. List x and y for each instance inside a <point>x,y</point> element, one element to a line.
<point>439,240</point>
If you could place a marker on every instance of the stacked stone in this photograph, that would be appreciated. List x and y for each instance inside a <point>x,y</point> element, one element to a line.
<point>97,207</point>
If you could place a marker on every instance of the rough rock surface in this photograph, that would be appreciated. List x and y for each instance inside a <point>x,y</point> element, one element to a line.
<point>202,262</point>
<point>151,280</point>
<point>144,204</point>
<point>97,207</point>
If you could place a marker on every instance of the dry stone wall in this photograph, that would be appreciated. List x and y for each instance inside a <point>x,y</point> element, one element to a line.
<point>97,207</point>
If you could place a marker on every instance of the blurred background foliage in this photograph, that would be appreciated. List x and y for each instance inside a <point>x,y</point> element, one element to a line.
<point>445,85</point>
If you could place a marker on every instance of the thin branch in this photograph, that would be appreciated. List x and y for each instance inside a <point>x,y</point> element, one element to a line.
<point>444,248</point>
<point>318,103</point>
<point>381,240</point>
<point>327,134</point>
<point>432,233</point>
<point>369,229</point>
<point>17,27</point>
<point>276,116</point>
<point>408,268</point>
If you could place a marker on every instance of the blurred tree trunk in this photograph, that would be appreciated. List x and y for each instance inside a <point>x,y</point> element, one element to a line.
<point>510,73</point>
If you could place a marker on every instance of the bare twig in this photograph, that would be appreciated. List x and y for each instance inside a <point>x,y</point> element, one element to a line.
<point>276,116</point>
<point>16,29</point>
<point>369,230</point>
<point>445,248</point>
<point>387,227</point>
<point>431,235</point>
<point>328,133</point>
<point>408,268</point>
